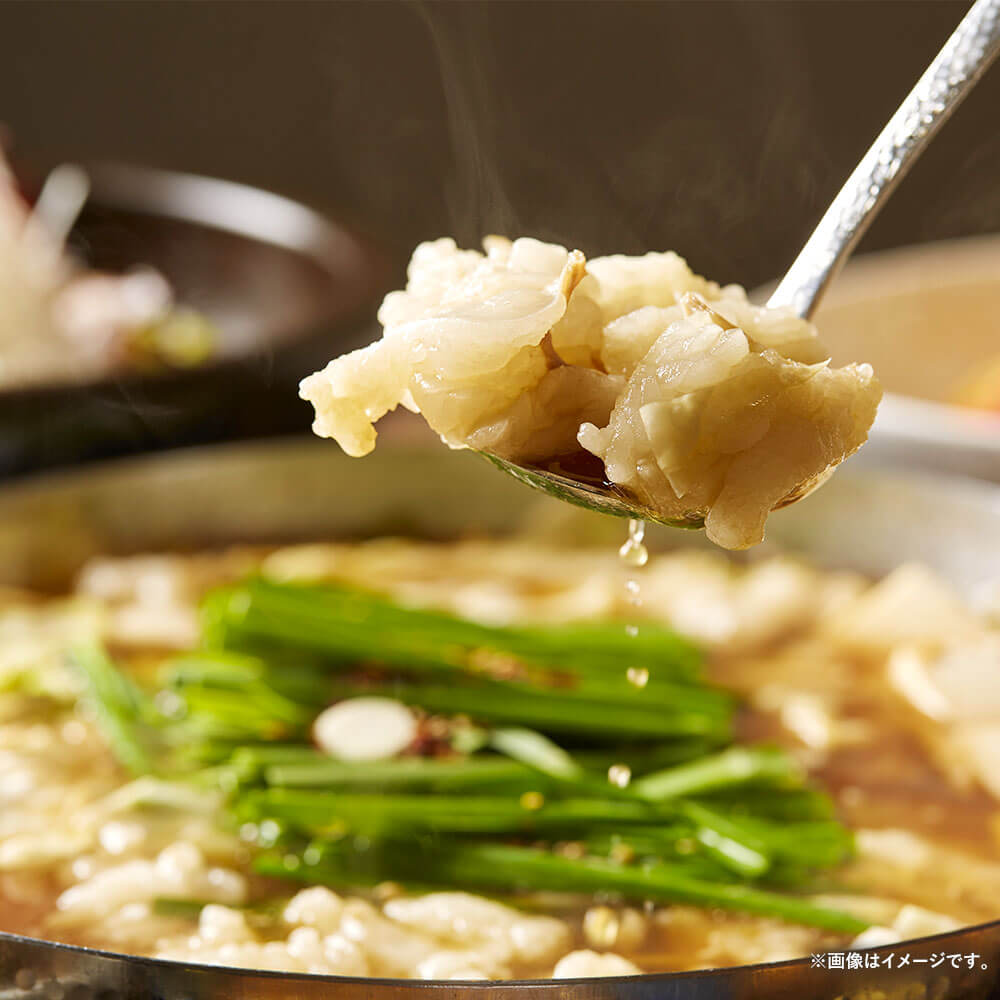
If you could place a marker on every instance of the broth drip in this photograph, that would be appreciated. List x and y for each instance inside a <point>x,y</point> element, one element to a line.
<point>634,554</point>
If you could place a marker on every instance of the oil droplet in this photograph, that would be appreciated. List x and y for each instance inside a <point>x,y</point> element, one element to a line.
<point>623,853</point>
<point>249,832</point>
<point>268,833</point>
<point>633,552</point>
<point>532,800</point>
<point>620,775</point>
<point>637,676</point>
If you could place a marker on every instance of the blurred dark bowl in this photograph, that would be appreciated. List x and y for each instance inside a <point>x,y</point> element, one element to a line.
<point>287,289</point>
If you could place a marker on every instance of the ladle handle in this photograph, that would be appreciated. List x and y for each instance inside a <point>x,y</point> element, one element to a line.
<point>956,69</point>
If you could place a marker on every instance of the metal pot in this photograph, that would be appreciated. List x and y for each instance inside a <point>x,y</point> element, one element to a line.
<point>286,288</point>
<point>291,491</point>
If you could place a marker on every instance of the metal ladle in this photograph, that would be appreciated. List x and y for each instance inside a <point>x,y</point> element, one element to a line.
<point>966,55</point>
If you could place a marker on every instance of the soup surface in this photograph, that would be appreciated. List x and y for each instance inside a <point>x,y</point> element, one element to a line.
<point>167,790</point>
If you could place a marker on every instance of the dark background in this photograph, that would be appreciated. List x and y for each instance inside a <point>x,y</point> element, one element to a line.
<point>720,129</point>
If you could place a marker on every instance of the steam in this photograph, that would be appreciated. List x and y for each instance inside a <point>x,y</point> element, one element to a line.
<point>678,155</point>
<point>475,195</point>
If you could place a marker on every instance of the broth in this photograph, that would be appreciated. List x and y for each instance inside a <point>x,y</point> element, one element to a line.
<point>806,650</point>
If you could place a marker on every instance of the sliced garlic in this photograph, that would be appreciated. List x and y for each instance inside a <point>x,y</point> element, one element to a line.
<point>365,729</point>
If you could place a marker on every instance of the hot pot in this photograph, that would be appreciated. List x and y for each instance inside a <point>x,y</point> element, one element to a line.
<point>282,491</point>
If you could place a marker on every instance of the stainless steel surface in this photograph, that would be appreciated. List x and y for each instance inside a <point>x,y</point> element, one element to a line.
<point>965,57</point>
<point>302,489</point>
<point>871,520</point>
<point>82,974</point>
<point>605,498</point>
<point>601,498</point>
<point>226,205</point>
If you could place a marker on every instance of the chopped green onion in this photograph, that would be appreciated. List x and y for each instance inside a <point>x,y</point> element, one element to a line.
<point>117,705</point>
<point>537,751</point>
<point>735,766</point>
<point>505,866</point>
